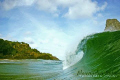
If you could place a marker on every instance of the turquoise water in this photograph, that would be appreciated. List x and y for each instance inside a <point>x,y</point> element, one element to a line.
<point>29,69</point>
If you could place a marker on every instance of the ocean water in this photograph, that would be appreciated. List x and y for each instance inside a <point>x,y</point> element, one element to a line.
<point>29,69</point>
<point>100,61</point>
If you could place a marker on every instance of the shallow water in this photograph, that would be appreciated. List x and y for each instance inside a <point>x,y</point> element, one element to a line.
<point>29,69</point>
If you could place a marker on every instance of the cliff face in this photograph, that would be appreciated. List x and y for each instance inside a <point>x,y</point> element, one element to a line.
<point>21,50</point>
<point>112,25</point>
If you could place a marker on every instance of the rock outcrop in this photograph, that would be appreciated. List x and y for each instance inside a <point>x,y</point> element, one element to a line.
<point>112,25</point>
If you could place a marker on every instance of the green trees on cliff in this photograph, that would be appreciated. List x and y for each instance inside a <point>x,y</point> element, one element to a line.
<point>21,50</point>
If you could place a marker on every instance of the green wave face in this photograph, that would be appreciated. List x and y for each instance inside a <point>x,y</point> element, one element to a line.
<point>102,55</point>
<point>101,60</point>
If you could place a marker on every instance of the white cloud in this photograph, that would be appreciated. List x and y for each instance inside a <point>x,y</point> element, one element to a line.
<point>47,5</point>
<point>103,6</point>
<point>74,8</point>
<point>83,9</point>
<point>10,4</point>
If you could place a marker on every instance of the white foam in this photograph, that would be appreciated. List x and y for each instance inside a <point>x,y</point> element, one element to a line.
<point>72,59</point>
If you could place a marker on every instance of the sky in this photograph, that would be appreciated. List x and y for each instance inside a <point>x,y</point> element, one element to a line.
<point>54,26</point>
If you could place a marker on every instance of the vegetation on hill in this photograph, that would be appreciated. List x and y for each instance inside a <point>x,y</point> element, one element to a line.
<point>21,50</point>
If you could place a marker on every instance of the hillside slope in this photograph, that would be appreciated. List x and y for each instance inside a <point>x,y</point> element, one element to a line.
<point>21,50</point>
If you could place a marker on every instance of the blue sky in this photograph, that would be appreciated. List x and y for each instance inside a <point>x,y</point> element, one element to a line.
<point>54,26</point>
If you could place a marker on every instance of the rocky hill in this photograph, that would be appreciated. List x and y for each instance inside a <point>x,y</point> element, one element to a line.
<point>21,50</point>
<point>112,25</point>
